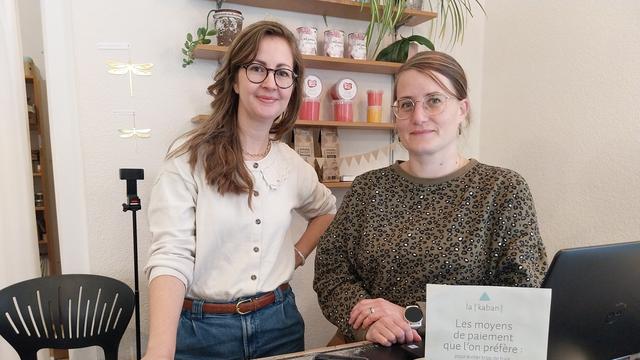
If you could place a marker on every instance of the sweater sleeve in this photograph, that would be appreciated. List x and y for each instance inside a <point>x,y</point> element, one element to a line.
<point>172,222</point>
<point>336,278</point>
<point>316,198</point>
<point>518,246</point>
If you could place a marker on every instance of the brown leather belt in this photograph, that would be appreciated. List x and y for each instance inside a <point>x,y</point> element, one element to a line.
<point>242,307</point>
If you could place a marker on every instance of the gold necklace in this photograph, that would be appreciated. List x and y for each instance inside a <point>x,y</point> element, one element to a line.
<point>260,155</point>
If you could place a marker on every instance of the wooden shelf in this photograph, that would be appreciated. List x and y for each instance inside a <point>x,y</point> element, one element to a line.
<point>345,124</point>
<point>346,9</point>
<point>338,185</point>
<point>215,52</point>
<point>324,123</point>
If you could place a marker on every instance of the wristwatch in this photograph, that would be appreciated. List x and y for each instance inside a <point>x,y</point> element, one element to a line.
<point>413,314</point>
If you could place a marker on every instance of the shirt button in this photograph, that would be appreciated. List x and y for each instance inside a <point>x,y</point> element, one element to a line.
<point>255,165</point>
<point>253,277</point>
<point>256,249</point>
<point>256,193</point>
<point>258,221</point>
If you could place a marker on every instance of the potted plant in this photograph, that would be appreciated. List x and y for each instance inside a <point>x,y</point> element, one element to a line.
<point>386,14</point>
<point>190,44</point>
<point>227,23</point>
<point>398,51</point>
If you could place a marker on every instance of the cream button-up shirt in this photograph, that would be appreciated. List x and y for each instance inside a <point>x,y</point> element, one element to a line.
<point>215,244</point>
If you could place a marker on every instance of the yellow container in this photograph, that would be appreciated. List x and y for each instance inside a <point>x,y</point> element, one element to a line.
<point>374,114</point>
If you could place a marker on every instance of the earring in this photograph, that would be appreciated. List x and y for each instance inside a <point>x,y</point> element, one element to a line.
<point>395,136</point>
<point>459,129</point>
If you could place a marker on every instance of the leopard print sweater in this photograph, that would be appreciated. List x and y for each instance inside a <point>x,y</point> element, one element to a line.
<point>394,233</point>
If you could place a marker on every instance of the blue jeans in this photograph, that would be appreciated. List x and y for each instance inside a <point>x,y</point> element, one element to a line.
<point>275,329</point>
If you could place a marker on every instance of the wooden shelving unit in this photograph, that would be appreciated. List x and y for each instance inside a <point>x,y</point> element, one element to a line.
<point>338,185</point>
<point>345,124</point>
<point>325,123</point>
<point>215,52</point>
<point>345,9</point>
<point>45,213</point>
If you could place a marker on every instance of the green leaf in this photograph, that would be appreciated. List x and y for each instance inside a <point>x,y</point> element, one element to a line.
<point>189,37</point>
<point>421,40</point>
<point>200,32</point>
<point>206,41</point>
<point>385,54</point>
<point>211,32</point>
<point>184,51</point>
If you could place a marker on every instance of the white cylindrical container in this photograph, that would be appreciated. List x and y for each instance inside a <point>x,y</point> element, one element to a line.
<point>312,86</point>
<point>344,89</point>
<point>308,40</point>
<point>334,43</point>
<point>356,46</point>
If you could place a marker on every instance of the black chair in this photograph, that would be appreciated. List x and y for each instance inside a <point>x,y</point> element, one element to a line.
<point>65,312</point>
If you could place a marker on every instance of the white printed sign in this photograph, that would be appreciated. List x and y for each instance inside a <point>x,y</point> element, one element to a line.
<point>487,322</point>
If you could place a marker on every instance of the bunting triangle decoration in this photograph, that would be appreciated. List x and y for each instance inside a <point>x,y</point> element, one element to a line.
<point>358,158</point>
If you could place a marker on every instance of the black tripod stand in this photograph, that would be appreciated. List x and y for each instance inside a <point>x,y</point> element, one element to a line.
<point>133,204</point>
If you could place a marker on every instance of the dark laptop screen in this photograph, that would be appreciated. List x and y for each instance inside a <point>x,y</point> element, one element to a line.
<point>595,302</point>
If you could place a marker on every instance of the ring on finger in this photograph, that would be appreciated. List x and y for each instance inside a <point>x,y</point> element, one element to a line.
<point>371,311</point>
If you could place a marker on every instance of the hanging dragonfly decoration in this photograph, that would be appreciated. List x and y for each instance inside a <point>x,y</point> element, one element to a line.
<point>139,133</point>
<point>122,68</point>
<point>126,133</point>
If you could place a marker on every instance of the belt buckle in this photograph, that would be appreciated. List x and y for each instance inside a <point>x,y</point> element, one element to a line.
<point>240,303</point>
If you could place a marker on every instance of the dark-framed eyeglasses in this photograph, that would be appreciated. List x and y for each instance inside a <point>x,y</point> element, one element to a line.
<point>257,73</point>
<point>432,104</point>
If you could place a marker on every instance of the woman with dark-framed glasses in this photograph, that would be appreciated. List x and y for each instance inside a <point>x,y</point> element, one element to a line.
<point>436,218</point>
<point>220,209</point>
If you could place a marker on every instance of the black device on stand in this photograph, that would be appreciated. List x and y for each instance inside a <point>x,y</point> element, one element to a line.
<point>133,204</point>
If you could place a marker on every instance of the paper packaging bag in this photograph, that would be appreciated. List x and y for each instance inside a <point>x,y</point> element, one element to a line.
<point>330,150</point>
<point>303,144</point>
<point>329,143</point>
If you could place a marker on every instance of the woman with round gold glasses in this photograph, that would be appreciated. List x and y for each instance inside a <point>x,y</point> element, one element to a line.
<point>436,218</point>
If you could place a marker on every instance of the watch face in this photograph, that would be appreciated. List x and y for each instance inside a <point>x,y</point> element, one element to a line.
<point>413,314</point>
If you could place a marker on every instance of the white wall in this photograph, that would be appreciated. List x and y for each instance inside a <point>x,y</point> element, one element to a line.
<point>31,28</point>
<point>561,89</point>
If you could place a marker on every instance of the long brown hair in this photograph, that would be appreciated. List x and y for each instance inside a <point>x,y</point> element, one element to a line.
<point>431,62</point>
<point>215,142</point>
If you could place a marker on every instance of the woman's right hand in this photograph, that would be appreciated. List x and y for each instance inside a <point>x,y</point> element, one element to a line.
<point>389,330</point>
<point>384,321</point>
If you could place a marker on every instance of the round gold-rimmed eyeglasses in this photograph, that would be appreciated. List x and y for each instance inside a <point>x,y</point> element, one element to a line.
<point>432,104</point>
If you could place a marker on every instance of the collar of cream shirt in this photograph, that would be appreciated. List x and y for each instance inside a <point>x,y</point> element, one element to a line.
<point>273,168</point>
